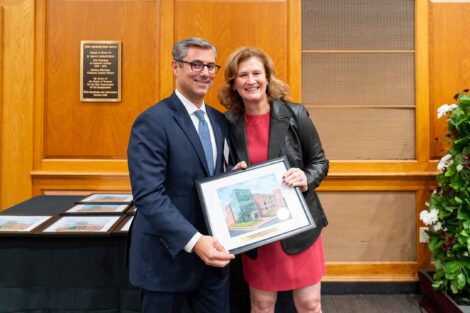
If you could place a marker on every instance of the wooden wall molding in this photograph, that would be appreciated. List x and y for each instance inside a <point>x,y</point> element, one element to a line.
<point>80,165</point>
<point>379,182</point>
<point>294,64</point>
<point>39,61</point>
<point>371,271</point>
<point>389,166</point>
<point>79,183</point>
<point>423,127</point>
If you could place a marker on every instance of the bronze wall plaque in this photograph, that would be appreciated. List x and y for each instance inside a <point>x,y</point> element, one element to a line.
<point>100,71</point>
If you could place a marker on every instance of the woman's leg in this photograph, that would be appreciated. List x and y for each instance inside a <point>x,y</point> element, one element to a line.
<point>308,299</point>
<point>262,301</point>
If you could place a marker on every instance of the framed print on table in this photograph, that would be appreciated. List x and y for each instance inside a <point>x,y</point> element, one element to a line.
<point>245,209</point>
<point>132,210</point>
<point>124,225</point>
<point>82,225</point>
<point>97,208</point>
<point>20,223</point>
<point>107,198</point>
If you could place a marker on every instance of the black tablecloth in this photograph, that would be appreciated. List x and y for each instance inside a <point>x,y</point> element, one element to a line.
<point>63,274</point>
<point>78,274</point>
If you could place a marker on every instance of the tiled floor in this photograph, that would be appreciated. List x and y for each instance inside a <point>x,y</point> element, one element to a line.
<point>395,303</point>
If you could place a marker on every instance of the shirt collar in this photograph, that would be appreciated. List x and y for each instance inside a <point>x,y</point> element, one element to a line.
<point>188,105</point>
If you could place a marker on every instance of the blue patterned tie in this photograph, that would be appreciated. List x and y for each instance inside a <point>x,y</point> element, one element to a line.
<point>204,135</point>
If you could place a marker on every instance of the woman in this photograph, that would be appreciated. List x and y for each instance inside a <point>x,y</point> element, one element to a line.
<point>263,125</point>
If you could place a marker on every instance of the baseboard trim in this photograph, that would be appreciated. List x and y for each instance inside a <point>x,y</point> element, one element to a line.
<point>369,287</point>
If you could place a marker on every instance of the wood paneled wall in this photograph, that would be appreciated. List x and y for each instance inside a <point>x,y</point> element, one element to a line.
<point>449,57</point>
<point>77,144</point>
<point>16,100</point>
<point>51,143</point>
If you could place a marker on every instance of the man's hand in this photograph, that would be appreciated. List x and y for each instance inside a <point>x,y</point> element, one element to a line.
<point>211,251</point>
<point>240,165</point>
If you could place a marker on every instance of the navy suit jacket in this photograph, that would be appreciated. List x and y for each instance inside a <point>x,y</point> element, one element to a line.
<point>165,158</point>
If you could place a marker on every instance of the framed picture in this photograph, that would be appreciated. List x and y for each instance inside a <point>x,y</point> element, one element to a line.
<point>124,225</point>
<point>97,208</point>
<point>245,209</point>
<point>107,198</point>
<point>20,223</point>
<point>132,210</point>
<point>82,225</point>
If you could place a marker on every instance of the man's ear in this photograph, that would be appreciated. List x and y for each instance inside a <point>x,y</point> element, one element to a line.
<point>174,65</point>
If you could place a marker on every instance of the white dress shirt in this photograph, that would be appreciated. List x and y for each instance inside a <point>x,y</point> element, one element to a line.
<point>191,108</point>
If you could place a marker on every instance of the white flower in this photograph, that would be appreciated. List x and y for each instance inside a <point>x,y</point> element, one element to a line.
<point>429,217</point>
<point>446,161</point>
<point>459,167</point>
<point>465,253</point>
<point>443,109</point>
<point>437,227</point>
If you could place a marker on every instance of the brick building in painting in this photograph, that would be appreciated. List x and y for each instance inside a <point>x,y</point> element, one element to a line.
<point>246,206</point>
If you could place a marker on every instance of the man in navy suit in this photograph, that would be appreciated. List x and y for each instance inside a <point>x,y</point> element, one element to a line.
<point>171,259</point>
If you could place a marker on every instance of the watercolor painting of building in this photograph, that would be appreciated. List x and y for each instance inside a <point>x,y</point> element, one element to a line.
<point>248,209</point>
<point>20,223</point>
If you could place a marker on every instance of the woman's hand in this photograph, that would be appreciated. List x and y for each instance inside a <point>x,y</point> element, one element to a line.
<point>240,165</point>
<point>295,177</point>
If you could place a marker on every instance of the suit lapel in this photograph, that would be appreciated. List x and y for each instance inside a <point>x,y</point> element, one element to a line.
<point>279,125</point>
<point>184,121</point>
<point>219,137</point>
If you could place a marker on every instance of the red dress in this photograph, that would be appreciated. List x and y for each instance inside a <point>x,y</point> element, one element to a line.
<point>273,269</point>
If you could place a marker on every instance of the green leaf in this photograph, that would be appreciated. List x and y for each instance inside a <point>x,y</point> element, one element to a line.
<point>461,281</point>
<point>452,267</point>
<point>449,208</point>
<point>462,215</point>
<point>437,284</point>
<point>438,264</point>
<point>434,244</point>
<point>466,224</point>
<point>450,172</point>
<point>451,276</point>
<point>463,139</point>
<point>464,99</point>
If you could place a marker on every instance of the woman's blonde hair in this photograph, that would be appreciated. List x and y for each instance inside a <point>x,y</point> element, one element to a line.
<point>276,88</point>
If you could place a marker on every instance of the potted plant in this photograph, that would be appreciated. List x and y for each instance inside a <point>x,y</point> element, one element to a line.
<point>448,212</point>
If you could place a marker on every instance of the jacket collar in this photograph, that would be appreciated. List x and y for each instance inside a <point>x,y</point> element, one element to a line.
<point>279,124</point>
<point>278,128</point>
<point>182,118</point>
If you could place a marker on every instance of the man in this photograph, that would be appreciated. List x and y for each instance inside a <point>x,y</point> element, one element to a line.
<point>172,144</point>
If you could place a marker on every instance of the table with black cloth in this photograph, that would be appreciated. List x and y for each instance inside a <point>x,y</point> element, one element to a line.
<point>63,274</point>
<point>80,273</point>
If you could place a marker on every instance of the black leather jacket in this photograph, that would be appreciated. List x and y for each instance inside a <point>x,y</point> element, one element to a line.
<point>293,135</point>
